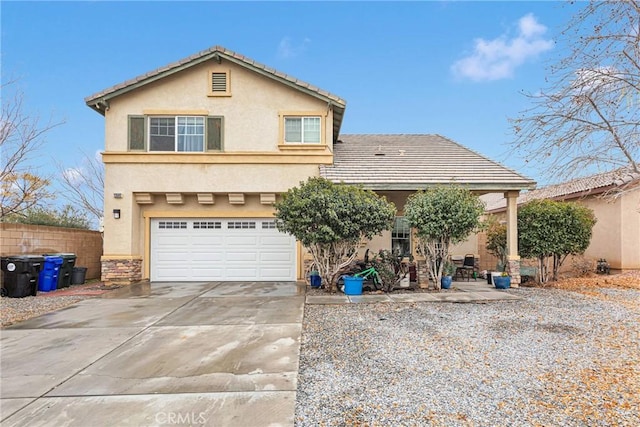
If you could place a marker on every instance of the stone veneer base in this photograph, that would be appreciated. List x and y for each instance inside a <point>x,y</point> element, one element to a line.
<point>121,270</point>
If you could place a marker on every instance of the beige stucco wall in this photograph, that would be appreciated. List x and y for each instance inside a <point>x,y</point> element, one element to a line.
<point>125,235</point>
<point>251,121</point>
<point>253,160</point>
<point>616,234</point>
<point>606,238</point>
<point>631,231</point>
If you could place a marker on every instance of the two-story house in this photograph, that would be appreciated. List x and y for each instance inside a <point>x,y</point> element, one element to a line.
<point>197,152</point>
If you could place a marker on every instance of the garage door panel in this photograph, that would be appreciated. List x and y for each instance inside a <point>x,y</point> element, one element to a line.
<point>220,249</point>
<point>274,240</point>
<point>207,241</point>
<point>197,256</point>
<point>172,240</point>
<point>241,256</point>
<point>238,240</point>
<point>272,256</point>
<point>211,272</point>
<point>172,257</point>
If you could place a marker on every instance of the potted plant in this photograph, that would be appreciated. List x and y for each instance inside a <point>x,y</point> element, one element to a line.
<point>503,281</point>
<point>497,245</point>
<point>448,271</point>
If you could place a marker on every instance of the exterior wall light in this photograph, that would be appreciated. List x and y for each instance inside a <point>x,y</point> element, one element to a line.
<point>116,214</point>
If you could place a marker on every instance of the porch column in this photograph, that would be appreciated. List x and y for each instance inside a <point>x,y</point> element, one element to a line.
<point>513,258</point>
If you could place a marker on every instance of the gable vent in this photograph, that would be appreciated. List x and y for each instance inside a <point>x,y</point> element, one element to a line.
<point>218,82</point>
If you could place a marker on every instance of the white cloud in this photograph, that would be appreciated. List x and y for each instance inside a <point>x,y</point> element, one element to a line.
<point>498,58</point>
<point>74,175</point>
<point>290,49</point>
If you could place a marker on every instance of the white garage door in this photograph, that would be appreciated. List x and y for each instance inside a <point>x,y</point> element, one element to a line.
<point>220,249</point>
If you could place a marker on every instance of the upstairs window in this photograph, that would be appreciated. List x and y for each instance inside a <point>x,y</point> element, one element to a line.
<point>302,130</point>
<point>175,134</point>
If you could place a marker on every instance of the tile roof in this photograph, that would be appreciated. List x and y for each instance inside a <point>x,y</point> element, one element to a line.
<point>103,96</point>
<point>579,187</point>
<point>411,162</point>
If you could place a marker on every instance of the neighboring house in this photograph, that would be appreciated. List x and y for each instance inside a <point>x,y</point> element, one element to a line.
<point>616,234</point>
<point>197,152</point>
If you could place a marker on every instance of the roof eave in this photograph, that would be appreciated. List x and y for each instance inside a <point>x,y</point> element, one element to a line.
<point>91,100</point>
<point>484,187</point>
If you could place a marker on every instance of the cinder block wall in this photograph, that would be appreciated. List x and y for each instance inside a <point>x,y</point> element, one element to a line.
<point>24,239</point>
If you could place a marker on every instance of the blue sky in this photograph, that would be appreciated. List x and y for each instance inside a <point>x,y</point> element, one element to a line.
<point>452,68</point>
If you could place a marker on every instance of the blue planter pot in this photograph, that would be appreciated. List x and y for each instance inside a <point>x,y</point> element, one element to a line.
<point>445,282</point>
<point>352,285</point>
<point>316,281</point>
<point>502,282</point>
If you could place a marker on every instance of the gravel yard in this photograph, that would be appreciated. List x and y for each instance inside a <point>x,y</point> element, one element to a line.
<point>557,357</point>
<point>13,310</point>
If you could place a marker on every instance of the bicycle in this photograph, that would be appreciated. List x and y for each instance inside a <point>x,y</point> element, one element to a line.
<point>372,273</point>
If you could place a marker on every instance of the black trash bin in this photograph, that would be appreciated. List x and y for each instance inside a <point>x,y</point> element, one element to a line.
<point>21,275</point>
<point>78,276</point>
<point>66,269</point>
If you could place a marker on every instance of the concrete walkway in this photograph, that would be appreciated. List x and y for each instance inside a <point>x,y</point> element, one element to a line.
<point>223,354</point>
<point>210,354</point>
<point>472,291</point>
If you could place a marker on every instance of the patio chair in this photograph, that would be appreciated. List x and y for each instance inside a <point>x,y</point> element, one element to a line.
<point>469,266</point>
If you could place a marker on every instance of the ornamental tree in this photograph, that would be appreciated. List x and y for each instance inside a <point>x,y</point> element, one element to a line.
<point>442,216</point>
<point>550,231</point>
<point>331,220</point>
<point>497,240</point>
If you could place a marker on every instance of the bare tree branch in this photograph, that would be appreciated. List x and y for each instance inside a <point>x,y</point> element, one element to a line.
<point>21,137</point>
<point>589,115</point>
<point>84,184</point>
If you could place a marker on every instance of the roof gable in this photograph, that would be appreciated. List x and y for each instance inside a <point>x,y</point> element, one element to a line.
<point>99,100</point>
<point>413,162</point>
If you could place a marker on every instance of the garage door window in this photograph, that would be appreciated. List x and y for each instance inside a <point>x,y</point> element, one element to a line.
<point>207,225</point>
<point>172,224</point>
<point>241,225</point>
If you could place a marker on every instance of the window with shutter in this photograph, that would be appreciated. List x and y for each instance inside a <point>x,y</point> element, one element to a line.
<point>175,133</point>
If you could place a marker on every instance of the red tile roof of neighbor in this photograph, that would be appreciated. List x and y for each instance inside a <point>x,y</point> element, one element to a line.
<point>576,188</point>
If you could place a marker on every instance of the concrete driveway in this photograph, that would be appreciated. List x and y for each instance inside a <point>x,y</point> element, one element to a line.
<point>214,354</point>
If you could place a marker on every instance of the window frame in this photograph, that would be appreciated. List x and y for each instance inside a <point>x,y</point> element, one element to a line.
<point>303,131</point>
<point>285,115</point>
<point>215,141</point>
<point>176,134</point>
<point>406,237</point>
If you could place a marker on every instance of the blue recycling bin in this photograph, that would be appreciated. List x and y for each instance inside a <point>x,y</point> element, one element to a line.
<point>353,285</point>
<point>48,279</point>
<point>66,269</point>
